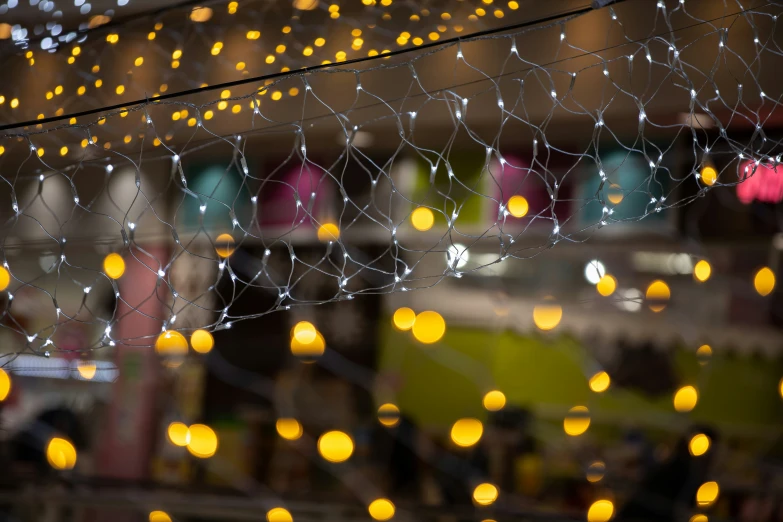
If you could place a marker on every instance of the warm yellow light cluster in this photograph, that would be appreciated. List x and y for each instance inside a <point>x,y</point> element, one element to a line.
<point>200,440</point>
<point>307,342</point>
<point>428,327</point>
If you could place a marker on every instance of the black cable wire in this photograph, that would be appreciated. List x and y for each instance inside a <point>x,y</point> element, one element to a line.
<point>443,43</point>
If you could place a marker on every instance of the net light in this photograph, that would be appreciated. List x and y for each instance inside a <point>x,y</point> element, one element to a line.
<point>404,318</point>
<point>335,446</point>
<point>389,415</point>
<point>494,400</point>
<point>699,444</point>
<point>576,421</point>
<point>202,341</point>
<point>429,327</point>
<point>466,432</point>
<point>685,399</point>
<point>702,271</point>
<point>600,382</point>
<point>289,428</point>
<point>422,219</point>
<point>203,442</point>
<point>485,494</point>
<point>600,511</point>
<point>61,453</point>
<point>764,281</point>
<point>707,494</point>
<point>279,514</point>
<point>114,266</point>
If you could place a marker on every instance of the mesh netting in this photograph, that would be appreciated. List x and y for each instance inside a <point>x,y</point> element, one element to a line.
<point>511,143</point>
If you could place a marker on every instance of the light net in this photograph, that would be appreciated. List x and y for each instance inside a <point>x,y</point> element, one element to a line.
<point>382,175</point>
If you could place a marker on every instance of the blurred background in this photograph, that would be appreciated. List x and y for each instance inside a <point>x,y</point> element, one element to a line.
<point>185,339</point>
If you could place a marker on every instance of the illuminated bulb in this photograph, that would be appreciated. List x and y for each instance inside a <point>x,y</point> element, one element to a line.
<point>224,245</point>
<point>658,295</point>
<point>114,266</point>
<point>279,514</point>
<point>518,206</point>
<point>547,316</point>
<point>764,281</point>
<point>699,444</point>
<point>381,509</point>
<point>5,385</point>
<point>202,341</point>
<point>709,176</point>
<point>178,434</point>
<point>5,278</point>
<point>485,494</point>
<point>702,271</point>
<point>596,471</point>
<point>305,332</point>
<point>707,494</point>
<point>176,55</point>
<point>308,352</point>
<point>61,453</point>
<point>328,232</point>
<point>685,399</point>
<point>404,318</point>
<point>200,14</point>
<point>600,382</point>
<point>494,400</point>
<point>606,285</point>
<point>429,327</point>
<point>699,517</point>
<point>600,511</point>
<point>203,441</point>
<point>576,421</point>
<point>422,219</point>
<point>159,516</point>
<point>335,446</point>
<point>173,346</point>
<point>289,428</point>
<point>466,432</point>
<point>389,415</point>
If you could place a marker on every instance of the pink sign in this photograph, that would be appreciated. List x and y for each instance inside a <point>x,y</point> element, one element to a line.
<point>765,184</point>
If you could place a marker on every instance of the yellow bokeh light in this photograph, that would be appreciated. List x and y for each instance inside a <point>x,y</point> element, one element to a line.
<point>5,385</point>
<point>224,245</point>
<point>308,352</point>
<point>138,61</point>
<point>98,83</point>
<point>5,278</point>
<point>236,108</point>
<point>576,421</point>
<point>289,428</point>
<point>240,66</point>
<point>699,444</point>
<point>159,516</point>
<point>381,509</point>
<point>709,176</point>
<point>704,353</point>
<point>422,219</point>
<point>203,441</point>
<point>518,206</point>
<point>764,281</point>
<point>14,103</point>
<point>780,388</point>
<point>114,265</point>
<point>202,341</point>
<point>658,295</point>
<point>485,494</point>
<point>177,54</point>
<point>171,343</point>
<point>279,514</point>
<point>429,327</point>
<point>200,14</point>
<point>320,42</point>
<point>178,434</point>
<point>600,382</point>
<point>685,399</point>
<point>606,285</point>
<point>600,511</point>
<point>494,400</point>
<point>404,318</point>
<point>707,494</point>
<point>307,51</point>
<point>81,90</point>
<point>596,471</point>
<point>466,432</point>
<point>389,415</point>
<point>208,115</point>
<point>305,332</point>
<point>61,453</point>
<point>547,316</point>
<point>63,150</point>
<point>615,194</point>
<point>86,369</point>
<point>335,446</point>
<point>40,151</point>
<point>699,518</point>
<point>328,232</point>
<point>702,271</point>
